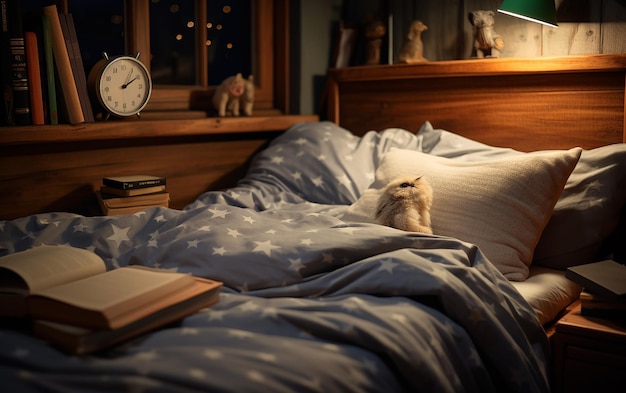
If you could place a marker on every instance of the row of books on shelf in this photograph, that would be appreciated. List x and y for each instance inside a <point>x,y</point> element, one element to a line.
<point>132,193</point>
<point>42,73</point>
<point>64,309</point>
<point>604,288</point>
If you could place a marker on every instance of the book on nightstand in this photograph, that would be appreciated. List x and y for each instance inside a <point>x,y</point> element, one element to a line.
<point>114,205</point>
<point>593,305</point>
<point>133,181</point>
<point>605,278</point>
<point>131,194</point>
<point>80,307</point>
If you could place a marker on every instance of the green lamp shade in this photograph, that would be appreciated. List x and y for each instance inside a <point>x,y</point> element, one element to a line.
<point>540,11</point>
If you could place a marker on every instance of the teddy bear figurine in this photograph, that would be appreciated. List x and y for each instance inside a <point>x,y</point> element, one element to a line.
<point>234,94</point>
<point>487,43</point>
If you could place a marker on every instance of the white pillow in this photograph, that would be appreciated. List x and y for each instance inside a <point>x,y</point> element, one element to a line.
<point>501,206</point>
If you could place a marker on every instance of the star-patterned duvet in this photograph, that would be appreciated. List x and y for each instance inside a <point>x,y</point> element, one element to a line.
<point>310,303</point>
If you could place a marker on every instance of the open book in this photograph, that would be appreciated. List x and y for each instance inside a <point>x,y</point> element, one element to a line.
<point>70,286</point>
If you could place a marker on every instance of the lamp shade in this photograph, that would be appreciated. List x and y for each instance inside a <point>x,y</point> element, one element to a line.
<point>540,11</point>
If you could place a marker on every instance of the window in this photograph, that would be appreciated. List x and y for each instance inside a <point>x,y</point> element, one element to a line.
<point>192,45</point>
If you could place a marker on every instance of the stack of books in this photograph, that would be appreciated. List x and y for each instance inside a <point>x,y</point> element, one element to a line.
<point>131,194</point>
<point>64,309</point>
<point>604,288</point>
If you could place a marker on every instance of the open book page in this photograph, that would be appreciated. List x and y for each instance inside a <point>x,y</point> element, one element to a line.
<point>47,266</point>
<point>121,295</point>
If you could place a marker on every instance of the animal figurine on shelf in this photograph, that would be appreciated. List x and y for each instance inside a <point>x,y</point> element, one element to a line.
<point>405,204</point>
<point>413,49</point>
<point>233,94</point>
<point>487,43</point>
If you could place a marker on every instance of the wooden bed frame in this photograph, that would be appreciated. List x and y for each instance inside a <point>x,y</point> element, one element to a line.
<point>527,104</point>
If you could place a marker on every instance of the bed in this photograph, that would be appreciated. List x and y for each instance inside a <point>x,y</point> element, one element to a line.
<point>528,167</point>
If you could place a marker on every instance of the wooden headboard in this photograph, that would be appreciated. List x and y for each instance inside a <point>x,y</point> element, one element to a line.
<point>527,104</point>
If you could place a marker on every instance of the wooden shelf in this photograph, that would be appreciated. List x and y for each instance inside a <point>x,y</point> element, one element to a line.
<point>142,128</point>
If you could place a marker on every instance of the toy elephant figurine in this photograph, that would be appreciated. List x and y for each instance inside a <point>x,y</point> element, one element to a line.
<point>234,94</point>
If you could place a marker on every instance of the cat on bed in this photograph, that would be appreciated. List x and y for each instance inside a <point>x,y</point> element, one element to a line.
<point>405,204</point>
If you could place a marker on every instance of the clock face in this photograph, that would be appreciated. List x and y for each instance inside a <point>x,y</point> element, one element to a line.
<point>124,86</point>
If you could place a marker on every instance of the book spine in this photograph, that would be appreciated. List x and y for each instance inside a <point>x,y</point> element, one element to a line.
<point>128,185</point>
<point>34,78</point>
<point>64,69</point>
<point>76,62</point>
<point>17,49</point>
<point>53,111</point>
<point>6,75</point>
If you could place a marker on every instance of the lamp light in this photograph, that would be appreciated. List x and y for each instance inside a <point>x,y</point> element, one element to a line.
<point>540,11</point>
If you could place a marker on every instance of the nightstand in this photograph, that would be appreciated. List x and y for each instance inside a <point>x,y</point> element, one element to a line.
<point>589,354</point>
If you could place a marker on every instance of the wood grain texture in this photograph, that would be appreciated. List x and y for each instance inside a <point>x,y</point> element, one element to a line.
<point>45,169</point>
<point>530,104</point>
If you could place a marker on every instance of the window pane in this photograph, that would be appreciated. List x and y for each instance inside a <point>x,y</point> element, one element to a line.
<point>172,42</point>
<point>102,34</point>
<point>229,39</point>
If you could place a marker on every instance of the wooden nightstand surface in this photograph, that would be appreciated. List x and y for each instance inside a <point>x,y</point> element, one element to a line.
<point>589,354</point>
<point>575,323</point>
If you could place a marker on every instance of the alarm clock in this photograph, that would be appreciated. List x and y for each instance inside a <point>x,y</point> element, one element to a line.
<point>119,86</point>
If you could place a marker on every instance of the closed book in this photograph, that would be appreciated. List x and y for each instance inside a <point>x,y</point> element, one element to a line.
<point>607,278</point>
<point>114,205</point>
<point>35,88</point>
<point>50,79</point>
<point>6,74</point>
<point>69,90</point>
<point>132,191</point>
<point>76,61</point>
<point>80,341</point>
<point>133,181</point>
<point>594,305</point>
<point>19,67</point>
<point>154,199</point>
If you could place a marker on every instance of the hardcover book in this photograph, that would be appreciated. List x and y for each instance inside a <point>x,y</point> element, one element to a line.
<point>70,286</point>
<point>133,181</point>
<point>132,192</point>
<point>607,278</point>
<point>113,205</point>
<point>69,90</point>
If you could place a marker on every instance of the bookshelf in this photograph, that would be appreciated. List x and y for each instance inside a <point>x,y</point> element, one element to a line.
<point>127,129</point>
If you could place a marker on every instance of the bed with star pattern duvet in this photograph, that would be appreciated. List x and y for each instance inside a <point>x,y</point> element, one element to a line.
<point>313,301</point>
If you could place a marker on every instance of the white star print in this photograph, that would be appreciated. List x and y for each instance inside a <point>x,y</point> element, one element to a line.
<point>204,228</point>
<point>249,219</point>
<point>318,181</point>
<point>296,175</point>
<point>219,250</point>
<point>219,213</point>
<point>388,265</point>
<point>233,232</point>
<point>192,244</point>
<point>300,141</point>
<point>306,242</point>
<point>265,247</point>
<point>119,235</point>
<point>277,160</point>
<point>295,264</point>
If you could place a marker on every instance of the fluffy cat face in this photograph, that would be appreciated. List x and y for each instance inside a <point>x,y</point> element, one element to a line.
<point>405,204</point>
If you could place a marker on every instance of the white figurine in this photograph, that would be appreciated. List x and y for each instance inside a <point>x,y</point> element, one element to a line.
<point>234,93</point>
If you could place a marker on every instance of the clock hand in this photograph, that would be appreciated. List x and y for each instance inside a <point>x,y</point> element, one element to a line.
<point>125,85</point>
<point>128,78</point>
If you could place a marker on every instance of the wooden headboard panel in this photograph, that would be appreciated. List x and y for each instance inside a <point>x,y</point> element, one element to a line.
<point>527,104</point>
